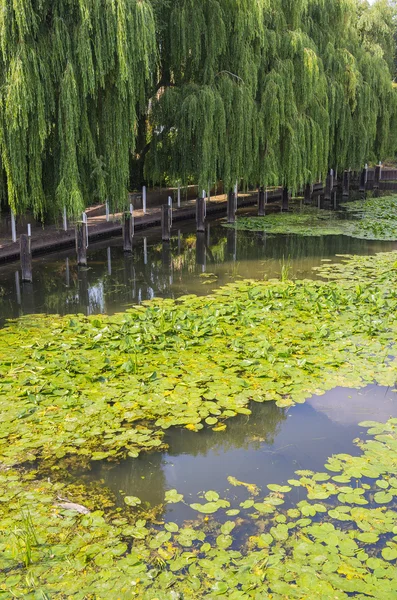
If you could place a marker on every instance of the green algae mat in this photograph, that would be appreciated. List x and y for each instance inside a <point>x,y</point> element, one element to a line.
<point>76,389</point>
<point>371,219</point>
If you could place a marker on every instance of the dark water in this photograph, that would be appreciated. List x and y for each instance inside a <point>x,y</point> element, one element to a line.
<point>113,281</point>
<point>267,447</point>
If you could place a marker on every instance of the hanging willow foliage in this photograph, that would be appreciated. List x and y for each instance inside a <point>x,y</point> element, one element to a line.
<point>261,91</point>
<point>287,90</point>
<point>74,77</point>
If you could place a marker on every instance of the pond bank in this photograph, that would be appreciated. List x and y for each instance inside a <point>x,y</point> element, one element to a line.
<point>52,238</point>
<point>98,228</point>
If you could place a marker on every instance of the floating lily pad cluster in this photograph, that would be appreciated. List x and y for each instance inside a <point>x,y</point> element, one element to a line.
<point>339,540</point>
<point>373,219</point>
<point>77,389</point>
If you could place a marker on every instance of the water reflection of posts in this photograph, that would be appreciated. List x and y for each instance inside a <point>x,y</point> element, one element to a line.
<point>17,288</point>
<point>208,235</point>
<point>179,241</point>
<point>129,274</point>
<point>200,250</point>
<point>166,259</point>
<point>27,298</point>
<point>145,251</point>
<point>109,255</point>
<point>26,258</point>
<point>67,273</point>
<point>84,297</point>
<point>231,246</point>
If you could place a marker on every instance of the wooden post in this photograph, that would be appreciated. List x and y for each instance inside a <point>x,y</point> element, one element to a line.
<point>127,231</point>
<point>13,227</point>
<point>165,223</point>
<point>107,212</point>
<point>179,195</point>
<point>170,205</point>
<point>329,186</point>
<point>285,199</point>
<point>65,219</point>
<point>144,199</point>
<point>200,214</point>
<point>26,259</point>
<point>231,207</point>
<point>261,202</point>
<point>81,244</point>
<point>346,183</point>
<point>378,176</point>
<point>308,194</point>
<point>363,179</point>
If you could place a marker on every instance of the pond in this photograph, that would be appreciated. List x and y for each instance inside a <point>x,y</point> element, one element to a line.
<point>191,264</point>
<point>78,391</point>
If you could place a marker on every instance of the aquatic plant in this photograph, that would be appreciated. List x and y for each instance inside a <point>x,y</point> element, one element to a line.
<point>372,219</point>
<point>75,389</point>
<point>339,539</point>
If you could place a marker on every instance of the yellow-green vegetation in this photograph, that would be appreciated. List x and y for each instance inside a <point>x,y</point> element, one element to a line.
<point>339,540</point>
<point>81,388</point>
<point>75,389</point>
<point>371,219</point>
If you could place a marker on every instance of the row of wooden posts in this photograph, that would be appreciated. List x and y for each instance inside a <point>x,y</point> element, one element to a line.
<point>81,228</point>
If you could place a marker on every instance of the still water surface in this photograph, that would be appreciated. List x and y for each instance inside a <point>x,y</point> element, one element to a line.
<point>266,447</point>
<point>113,281</point>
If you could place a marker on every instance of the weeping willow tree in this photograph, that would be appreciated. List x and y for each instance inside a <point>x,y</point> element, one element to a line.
<point>202,121</point>
<point>362,101</point>
<point>74,79</point>
<point>270,91</point>
<point>260,91</point>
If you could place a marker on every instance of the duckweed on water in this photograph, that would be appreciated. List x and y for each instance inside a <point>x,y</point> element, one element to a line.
<point>79,389</point>
<point>339,540</point>
<point>372,219</point>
